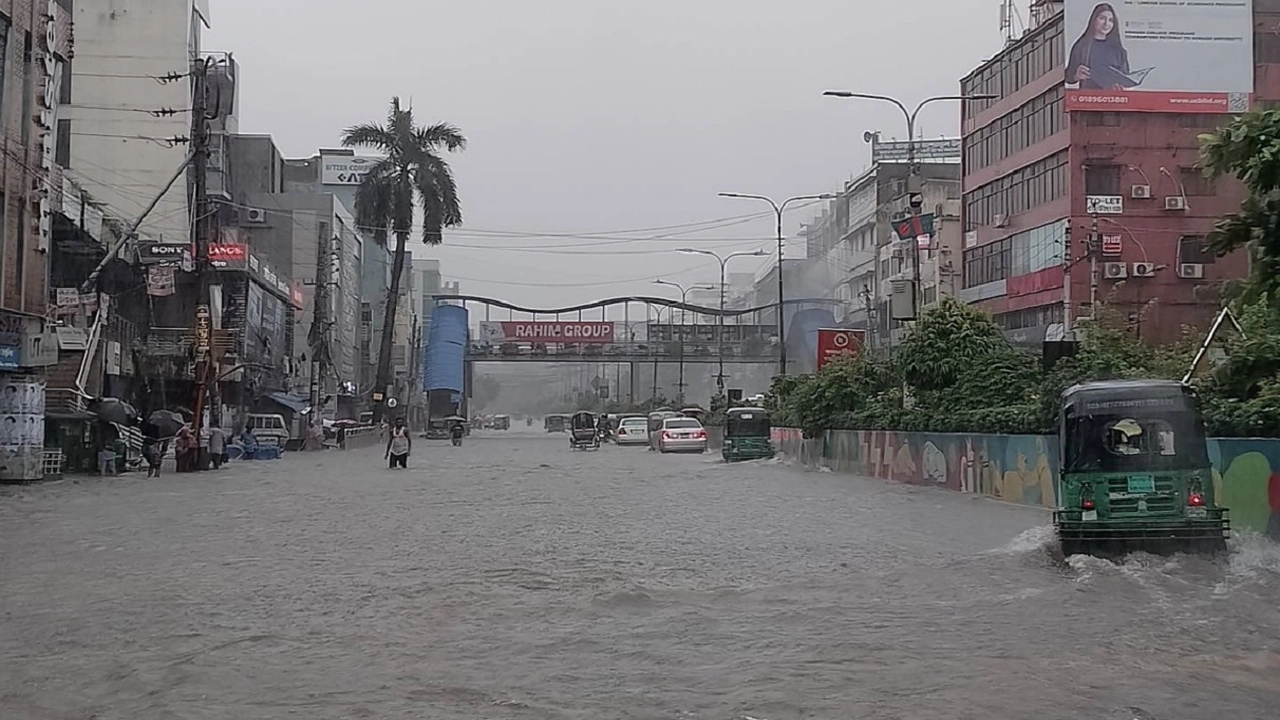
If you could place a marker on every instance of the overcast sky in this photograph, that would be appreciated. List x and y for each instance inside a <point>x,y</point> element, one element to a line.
<point>589,117</point>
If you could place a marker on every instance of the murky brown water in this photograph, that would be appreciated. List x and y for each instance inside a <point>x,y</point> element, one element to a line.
<point>510,578</point>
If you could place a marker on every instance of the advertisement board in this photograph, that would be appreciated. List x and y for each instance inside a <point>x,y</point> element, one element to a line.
<point>835,342</point>
<point>228,256</point>
<point>22,402</point>
<point>528,331</point>
<point>345,169</point>
<point>1182,56</point>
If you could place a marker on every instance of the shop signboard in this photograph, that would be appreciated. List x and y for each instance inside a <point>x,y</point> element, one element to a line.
<point>837,342</point>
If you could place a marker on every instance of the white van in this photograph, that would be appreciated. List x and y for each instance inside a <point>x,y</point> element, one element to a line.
<point>269,429</point>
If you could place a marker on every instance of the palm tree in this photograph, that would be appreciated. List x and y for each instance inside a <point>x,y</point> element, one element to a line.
<point>411,174</point>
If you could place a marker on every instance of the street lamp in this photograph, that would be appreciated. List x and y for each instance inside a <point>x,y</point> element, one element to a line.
<point>778,209</point>
<point>720,321</point>
<point>684,300</point>
<point>913,184</point>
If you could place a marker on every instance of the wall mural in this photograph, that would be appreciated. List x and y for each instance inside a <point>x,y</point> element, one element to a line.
<point>1023,468</point>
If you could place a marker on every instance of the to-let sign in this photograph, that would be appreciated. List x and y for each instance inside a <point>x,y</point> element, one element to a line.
<point>835,342</point>
<point>546,332</point>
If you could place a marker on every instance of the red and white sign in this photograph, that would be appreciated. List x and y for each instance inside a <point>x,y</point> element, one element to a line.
<point>835,342</point>
<point>228,256</point>
<point>546,332</point>
<point>1112,245</point>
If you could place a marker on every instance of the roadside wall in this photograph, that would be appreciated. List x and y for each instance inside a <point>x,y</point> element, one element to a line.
<point>1023,468</point>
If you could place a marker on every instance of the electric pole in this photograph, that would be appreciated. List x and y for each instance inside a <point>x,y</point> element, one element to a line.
<point>205,227</point>
<point>319,333</point>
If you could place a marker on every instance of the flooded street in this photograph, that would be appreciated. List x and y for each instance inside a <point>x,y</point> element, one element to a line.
<point>511,578</point>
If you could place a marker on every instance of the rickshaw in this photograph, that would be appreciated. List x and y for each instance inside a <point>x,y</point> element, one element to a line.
<point>1135,471</point>
<point>555,423</point>
<point>655,425</point>
<point>501,422</point>
<point>582,435</point>
<point>747,433</point>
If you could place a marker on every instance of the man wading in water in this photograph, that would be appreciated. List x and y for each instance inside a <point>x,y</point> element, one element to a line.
<point>399,444</point>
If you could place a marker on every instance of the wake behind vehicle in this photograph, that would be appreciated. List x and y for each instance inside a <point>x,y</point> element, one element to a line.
<point>583,432</point>
<point>1135,471</point>
<point>747,435</point>
<point>682,434</point>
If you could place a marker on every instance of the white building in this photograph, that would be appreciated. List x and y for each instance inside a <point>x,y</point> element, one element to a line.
<point>121,154</point>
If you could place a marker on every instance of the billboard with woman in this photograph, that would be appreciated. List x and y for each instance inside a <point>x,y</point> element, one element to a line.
<point>1180,57</point>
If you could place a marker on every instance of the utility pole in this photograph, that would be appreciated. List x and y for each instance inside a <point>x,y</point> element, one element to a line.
<point>318,339</point>
<point>206,226</point>
<point>1068,326</point>
<point>1095,248</point>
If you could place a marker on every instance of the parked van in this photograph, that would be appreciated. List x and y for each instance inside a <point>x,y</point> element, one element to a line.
<point>269,429</point>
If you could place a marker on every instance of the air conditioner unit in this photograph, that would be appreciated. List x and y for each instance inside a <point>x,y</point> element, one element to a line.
<point>1144,269</point>
<point>999,220</point>
<point>1175,202</point>
<point>255,215</point>
<point>1140,192</point>
<point>1115,270</point>
<point>1191,271</point>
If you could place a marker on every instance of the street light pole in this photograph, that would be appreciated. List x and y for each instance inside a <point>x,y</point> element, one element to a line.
<point>913,178</point>
<point>778,210</point>
<point>684,296</point>
<point>724,261</point>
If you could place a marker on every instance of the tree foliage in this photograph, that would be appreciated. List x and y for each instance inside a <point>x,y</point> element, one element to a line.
<point>1249,149</point>
<point>956,372</point>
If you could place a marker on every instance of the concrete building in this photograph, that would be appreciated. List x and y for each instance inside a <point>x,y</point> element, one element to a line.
<point>122,155</point>
<point>299,230</point>
<point>852,240</point>
<point>1034,172</point>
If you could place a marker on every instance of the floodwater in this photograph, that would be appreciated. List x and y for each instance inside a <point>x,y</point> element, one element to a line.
<point>512,578</point>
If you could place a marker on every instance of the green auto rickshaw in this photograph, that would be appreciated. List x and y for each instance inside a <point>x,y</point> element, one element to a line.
<point>747,435</point>
<point>1135,471</point>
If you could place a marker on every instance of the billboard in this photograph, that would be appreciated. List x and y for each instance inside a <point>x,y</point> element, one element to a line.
<point>345,169</point>
<point>545,332</point>
<point>834,342</point>
<point>1176,57</point>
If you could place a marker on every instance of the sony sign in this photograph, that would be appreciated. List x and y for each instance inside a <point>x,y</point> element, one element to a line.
<point>52,67</point>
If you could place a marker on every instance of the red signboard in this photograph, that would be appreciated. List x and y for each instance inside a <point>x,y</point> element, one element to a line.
<point>295,294</point>
<point>834,342</point>
<point>524,331</point>
<point>1112,245</point>
<point>228,256</point>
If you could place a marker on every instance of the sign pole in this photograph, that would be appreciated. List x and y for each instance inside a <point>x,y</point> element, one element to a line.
<point>206,224</point>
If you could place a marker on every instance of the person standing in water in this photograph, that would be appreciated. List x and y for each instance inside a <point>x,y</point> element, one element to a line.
<point>399,444</point>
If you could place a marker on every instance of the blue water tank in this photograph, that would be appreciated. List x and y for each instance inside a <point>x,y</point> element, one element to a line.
<point>446,349</point>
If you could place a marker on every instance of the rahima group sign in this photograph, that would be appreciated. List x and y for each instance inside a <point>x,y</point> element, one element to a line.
<point>1174,56</point>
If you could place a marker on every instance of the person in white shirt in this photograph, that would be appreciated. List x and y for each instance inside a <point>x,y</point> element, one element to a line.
<point>399,444</point>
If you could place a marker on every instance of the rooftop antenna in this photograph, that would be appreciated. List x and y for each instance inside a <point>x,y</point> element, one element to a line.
<point>1011,23</point>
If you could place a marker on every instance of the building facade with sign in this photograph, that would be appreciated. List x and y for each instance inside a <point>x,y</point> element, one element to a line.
<point>1053,157</point>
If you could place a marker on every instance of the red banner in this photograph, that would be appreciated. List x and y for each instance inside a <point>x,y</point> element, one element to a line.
<point>834,342</point>
<point>523,331</point>
<point>1148,101</point>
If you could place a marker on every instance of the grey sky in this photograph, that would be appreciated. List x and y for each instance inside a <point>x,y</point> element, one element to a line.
<point>586,116</point>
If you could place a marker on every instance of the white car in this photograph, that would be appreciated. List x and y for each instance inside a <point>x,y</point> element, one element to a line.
<point>682,434</point>
<point>633,431</point>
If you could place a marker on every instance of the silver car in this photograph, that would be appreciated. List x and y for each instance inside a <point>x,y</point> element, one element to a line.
<point>633,431</point>
<point>682,434</point>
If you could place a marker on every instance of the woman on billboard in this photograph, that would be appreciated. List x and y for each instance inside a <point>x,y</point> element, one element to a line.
<point>1098,60</point>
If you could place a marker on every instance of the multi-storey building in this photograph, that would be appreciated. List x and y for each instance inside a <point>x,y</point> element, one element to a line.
<point>1117,175</point>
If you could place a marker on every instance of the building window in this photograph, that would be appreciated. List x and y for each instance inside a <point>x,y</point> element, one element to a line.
<point>64,83</point>
<point>1195,183</point>
<point>1266,47</point>
<point>1021,190</point>
<point>1102,180</point>
<point>62,151</point>
<point>28,88</point>
<point>4,58</point>
<point>1192,249</point>
<point>1034,121</point>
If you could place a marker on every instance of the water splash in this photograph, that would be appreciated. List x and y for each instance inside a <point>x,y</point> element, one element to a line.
<point>1034,540</point>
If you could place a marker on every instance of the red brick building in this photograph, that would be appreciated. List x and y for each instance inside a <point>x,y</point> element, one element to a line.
<point>1035,175</point>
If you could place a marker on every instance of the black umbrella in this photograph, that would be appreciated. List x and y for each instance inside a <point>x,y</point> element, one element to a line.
<point>114,410</point>
<point>166,422</point>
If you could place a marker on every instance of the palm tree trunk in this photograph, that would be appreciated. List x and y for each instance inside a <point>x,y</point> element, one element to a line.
<point>389,324</point>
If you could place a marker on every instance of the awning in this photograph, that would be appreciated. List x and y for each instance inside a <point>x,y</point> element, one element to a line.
<point>295,403</point>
